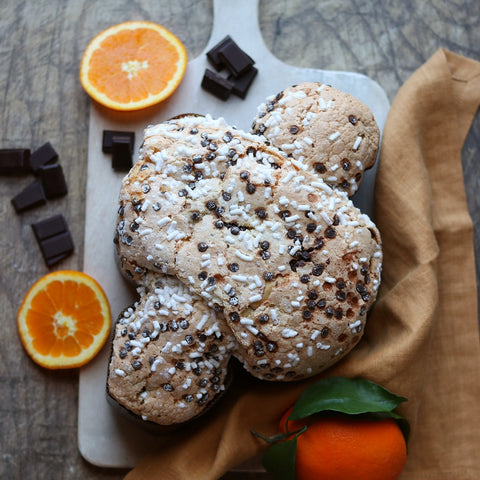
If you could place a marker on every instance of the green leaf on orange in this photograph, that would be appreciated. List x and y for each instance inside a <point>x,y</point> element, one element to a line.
<point>345,395</point>
<point>279,459</point>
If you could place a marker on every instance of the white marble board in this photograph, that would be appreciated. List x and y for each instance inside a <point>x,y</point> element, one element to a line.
<point>106,438</point>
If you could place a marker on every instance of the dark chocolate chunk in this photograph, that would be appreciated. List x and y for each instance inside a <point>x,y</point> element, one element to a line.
<point>235,59</point>
<point>216,84</point>
<point>242,84</point>
<point>121,154</point>
<point>56,259</point>
<point>109,136</point>
<point>14,161</point>
<point>31,196</point>
<point>212,54</point>
<point>44,155</point>
<point>49,227</point>
<point>53,180</point>
<point>56,248</point>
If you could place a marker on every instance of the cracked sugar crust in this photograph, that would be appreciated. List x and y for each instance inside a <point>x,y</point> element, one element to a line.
<point>239,225</point>
<point>323,130</point>
<point>170,354</point>
<point>315,312</point>
<point>286,264</point>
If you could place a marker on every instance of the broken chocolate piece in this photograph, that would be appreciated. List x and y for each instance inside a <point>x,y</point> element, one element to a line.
<point>212,54</point>
<point>14,161</point>
<point>109,136</point>
<point>31,196</point>
<point>54,260</point>
<point>241,85</point>
<point>235,59</point>
<point>60,244</point>
<point>56,248</point>
<point>49,227</point>
<point>216,84</point>
<point>43,155</point>
<point>53,180</point>
<point>121,154</point>
<point>228,54</point>
<point>54,239</point>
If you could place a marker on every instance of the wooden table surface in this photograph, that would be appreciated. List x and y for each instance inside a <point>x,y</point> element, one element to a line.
<point>41,44</point>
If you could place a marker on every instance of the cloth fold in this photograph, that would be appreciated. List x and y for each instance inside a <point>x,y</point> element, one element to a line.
<point>421,339</point>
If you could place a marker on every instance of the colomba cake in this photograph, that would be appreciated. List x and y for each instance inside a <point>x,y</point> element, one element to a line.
<point>236,251</point>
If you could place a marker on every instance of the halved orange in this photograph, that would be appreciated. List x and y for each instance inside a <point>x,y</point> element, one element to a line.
<point>133,65</point>
<point>64,319</point>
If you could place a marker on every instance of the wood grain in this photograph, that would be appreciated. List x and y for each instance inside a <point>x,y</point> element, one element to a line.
<point>41,43</point>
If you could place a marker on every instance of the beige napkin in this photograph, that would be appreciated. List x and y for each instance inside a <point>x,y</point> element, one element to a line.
<point>421,339</point>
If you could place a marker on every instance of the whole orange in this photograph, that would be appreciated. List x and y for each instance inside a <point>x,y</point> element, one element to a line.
<point>348,448</point>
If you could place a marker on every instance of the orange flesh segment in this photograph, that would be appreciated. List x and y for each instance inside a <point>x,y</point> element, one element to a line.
<point>42,303</point>
<point>84,339</point>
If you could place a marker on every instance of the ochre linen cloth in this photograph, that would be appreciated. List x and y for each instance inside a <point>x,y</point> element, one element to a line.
<point>422,338</point>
